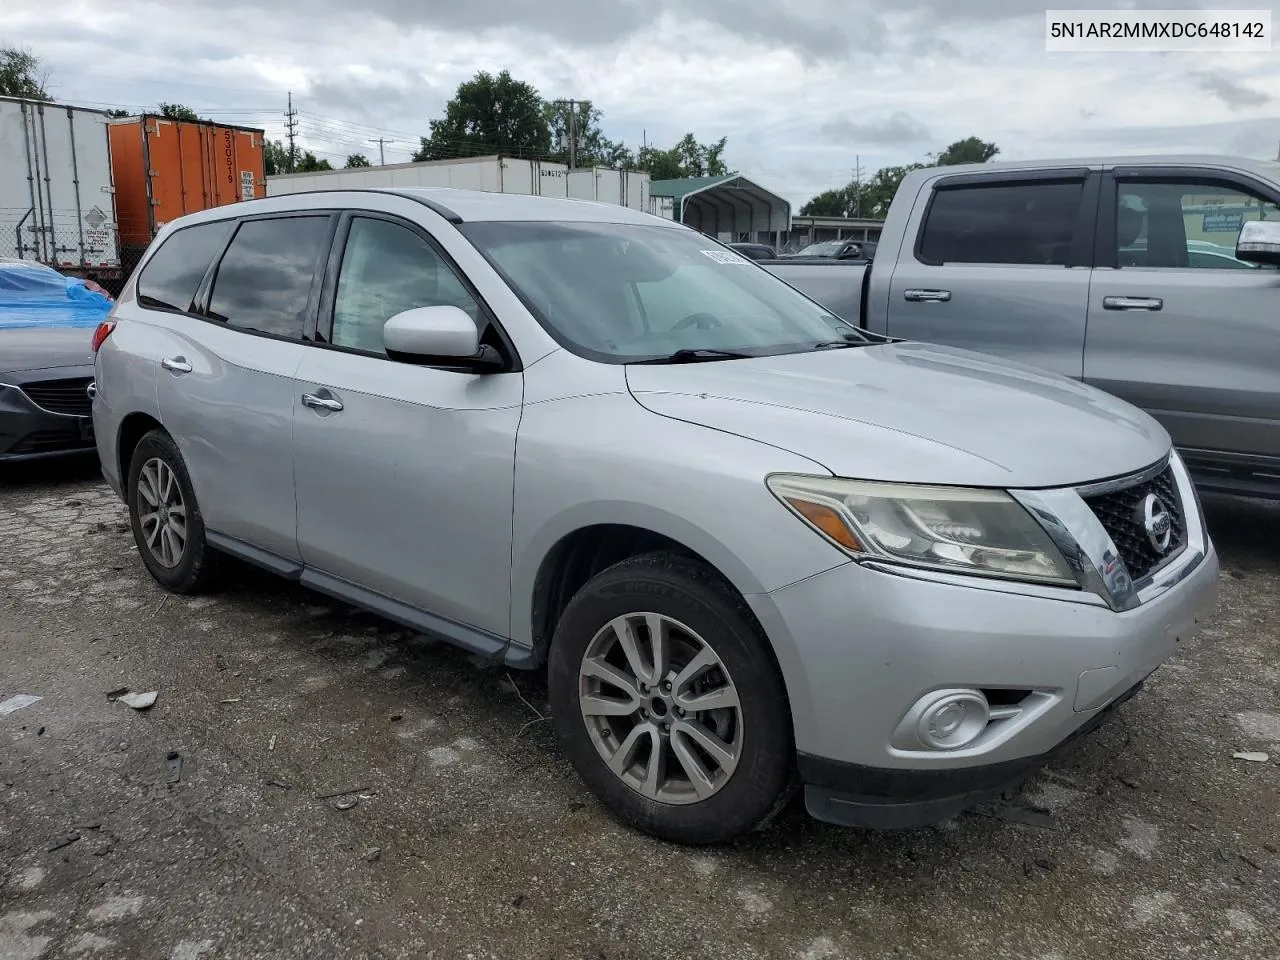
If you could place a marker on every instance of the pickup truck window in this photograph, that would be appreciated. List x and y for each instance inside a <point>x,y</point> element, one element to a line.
<point>621,293</point>
<point>1031,223</point>
<point>1180,225</point>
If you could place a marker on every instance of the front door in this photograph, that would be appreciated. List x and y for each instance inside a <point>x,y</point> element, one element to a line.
<point>1001,266</point>
<point>405,473</point>
<point>1178,325</point>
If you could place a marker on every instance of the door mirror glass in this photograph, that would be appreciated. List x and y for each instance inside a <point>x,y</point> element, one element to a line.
<point>446,332</point>
<point>1259,242</point>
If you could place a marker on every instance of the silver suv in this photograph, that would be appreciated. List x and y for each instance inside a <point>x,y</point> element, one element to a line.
<point>752,546</point>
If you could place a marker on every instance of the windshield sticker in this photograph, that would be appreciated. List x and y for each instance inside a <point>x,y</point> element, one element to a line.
<point>724,256</point>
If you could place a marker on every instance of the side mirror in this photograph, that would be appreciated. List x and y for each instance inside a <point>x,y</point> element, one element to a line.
<point>1259,242</point>
<point>443,335</point>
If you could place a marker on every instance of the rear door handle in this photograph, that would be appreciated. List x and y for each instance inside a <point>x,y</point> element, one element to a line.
<point>1132,303</point>
<point>321,403</point>
<point>176,364</point>
<point>927,296</point>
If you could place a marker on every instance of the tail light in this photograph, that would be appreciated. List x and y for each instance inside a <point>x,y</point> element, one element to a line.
<point>100,335</point>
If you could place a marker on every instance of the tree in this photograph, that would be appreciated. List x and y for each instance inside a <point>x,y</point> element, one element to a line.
<point>489,115</point>
<point>591,148</point>
<point>22,75</point>
<point>829,203</point>
<point>177,111</point>
<point>688,158</point>
<point>357,160</point>
<point>275,158</point>
<point>968,150</point>
<point>116,114</point>
<point>309,164</point>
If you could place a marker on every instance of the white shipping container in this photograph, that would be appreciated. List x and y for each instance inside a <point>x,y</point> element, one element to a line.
<point>57,204</point>
<point>538,178</point>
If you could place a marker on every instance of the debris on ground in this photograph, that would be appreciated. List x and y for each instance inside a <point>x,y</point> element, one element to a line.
<point>66,840</point>
<point>173,763</point>
<point>340,793</point>
<point>271,744</point>
<point>17,702</point>
<point>1253,756</point>
<point>346,803</point>
<point>397,717</point>
<point>117,693</point>
<point>230,700</point>
<point>139,701</point>
<point>278,783</point>
<point>372,854</point>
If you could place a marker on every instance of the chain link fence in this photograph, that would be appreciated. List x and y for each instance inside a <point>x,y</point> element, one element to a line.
<point>72,244</point>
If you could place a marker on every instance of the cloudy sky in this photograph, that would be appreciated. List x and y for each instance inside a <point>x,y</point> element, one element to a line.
<point>800,87</point>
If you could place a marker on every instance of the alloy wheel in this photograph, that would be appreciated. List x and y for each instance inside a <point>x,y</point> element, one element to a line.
<point>162,512</point>
<point>660,708</point>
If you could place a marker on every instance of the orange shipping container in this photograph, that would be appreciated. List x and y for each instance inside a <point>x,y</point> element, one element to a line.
<point>165,168</point>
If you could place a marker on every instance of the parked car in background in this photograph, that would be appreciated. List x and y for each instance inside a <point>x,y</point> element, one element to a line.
<point>1125,273</point>
<point>755,251</point>
<point>47,323</point>
<point>749,543</point>
<point>836,250</point>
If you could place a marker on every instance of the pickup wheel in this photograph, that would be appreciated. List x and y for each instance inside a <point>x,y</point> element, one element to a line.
<point>167,525</point>
<point>668,702</point>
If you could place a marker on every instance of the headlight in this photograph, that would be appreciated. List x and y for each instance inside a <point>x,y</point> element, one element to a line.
<point>964,530</point>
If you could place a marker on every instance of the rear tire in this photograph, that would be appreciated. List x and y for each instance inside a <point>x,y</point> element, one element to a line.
<point>710,705</point>
<point>167,525</point>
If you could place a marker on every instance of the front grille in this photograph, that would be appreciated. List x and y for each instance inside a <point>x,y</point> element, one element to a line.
<point>1121,513</point>
<point>62,396</point>
<point>52,441</point>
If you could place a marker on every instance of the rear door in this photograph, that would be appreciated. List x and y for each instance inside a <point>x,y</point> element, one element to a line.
<point>1177,325</point>
<point>225,387</point>
<point>999,263</point>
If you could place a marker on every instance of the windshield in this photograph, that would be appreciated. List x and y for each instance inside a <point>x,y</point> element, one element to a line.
<point>828,249</point>
<point>621,293</point>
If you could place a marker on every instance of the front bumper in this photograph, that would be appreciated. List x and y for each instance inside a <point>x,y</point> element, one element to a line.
<point>860,645</point>
<point>29,432</point>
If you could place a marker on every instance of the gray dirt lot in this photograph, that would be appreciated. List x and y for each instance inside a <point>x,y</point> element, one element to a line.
<point>472,838</point>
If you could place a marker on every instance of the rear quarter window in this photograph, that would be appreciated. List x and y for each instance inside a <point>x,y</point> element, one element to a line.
<point>171,277</point>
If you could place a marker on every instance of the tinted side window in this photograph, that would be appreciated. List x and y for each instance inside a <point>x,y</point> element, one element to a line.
<point>1006,223</point>
<point>1173,225</point>
<point>171,277</point>
<point>264,280</point>
<point>387,269</point>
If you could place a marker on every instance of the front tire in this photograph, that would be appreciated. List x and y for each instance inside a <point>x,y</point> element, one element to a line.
<point>167,525</point>
<point>668,702</point>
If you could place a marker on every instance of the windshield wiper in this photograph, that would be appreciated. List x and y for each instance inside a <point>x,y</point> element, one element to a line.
<point>836,344</point>
<point>698,355</point>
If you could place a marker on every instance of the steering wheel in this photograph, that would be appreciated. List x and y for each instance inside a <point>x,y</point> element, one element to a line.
<point>701,321</point>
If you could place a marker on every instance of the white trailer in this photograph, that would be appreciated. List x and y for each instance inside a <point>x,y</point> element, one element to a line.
<point>57,202</point>
<point>494,174</point>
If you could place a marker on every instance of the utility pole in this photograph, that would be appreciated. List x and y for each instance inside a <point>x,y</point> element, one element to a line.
<point>572,127</point>
<point>382,158</point>
<point>291,126</point>
<point>857,186</point>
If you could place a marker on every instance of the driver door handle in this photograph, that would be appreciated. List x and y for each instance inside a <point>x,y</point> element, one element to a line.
<point>927,296</point>
<point>321,403</point>
<point>176,364</point>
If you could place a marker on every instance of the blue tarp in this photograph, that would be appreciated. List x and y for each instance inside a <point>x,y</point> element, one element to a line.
<point>33,295</point>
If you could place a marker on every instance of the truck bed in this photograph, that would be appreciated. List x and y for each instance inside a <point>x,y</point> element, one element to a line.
<point>836,284</point>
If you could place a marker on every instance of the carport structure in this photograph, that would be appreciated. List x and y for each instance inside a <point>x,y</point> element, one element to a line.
<point>729,207</point>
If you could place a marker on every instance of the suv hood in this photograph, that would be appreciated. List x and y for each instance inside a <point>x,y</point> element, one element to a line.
<point>912,413</point>
<point>44,347</point>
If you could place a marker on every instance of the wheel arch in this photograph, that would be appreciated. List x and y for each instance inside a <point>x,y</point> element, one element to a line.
<point>133,428</point>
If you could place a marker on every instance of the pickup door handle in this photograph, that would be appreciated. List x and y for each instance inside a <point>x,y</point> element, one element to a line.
<point>927,296</point>
<point>176,364</point>
<point>1132,303</point>
<point>321,403</point>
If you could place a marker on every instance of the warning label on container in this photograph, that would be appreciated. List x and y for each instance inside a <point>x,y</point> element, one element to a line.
<point>246,184</point>
<point>97,236</point>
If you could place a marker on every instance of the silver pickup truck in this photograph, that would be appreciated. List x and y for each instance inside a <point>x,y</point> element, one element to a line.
<point>1153,278</point>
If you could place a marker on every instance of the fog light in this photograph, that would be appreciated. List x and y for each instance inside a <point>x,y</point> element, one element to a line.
<point>952,719</point>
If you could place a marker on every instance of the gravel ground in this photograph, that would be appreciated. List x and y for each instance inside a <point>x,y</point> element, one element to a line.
<point>470,837</point>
